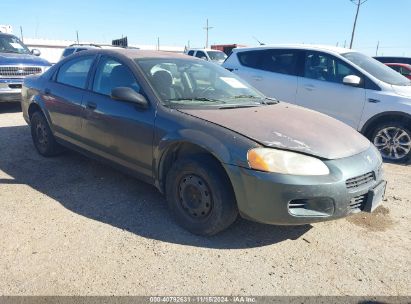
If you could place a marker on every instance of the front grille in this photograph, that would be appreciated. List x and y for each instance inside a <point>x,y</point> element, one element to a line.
<point>358,203</point>
<point>18,71</point>
<point>359,181</point>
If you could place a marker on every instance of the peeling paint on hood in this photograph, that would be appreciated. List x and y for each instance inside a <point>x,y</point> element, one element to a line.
<point>289,127</point>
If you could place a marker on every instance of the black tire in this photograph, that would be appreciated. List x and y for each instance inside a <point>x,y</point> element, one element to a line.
<point>42,136</point>
<point>201,181</point>
<point>393,140</point>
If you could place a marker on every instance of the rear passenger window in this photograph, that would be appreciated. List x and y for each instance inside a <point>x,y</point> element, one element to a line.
<point>74,72</point>
<point>277,61</point>
<point>201,54</point>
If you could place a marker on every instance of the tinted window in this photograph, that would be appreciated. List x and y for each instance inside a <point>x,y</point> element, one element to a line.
<point>326,67</point>
<point>201,54</point>
<point>74,72</point>
<point>250,59</point>
<point>277,61</point>
<point>68,52</point>
<point>112,74</point>
<point>190,53</point>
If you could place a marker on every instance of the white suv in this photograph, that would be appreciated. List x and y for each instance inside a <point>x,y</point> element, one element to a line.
<point>345,84</point>
<point>215,56</point>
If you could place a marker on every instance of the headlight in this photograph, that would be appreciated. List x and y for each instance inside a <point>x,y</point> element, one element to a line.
<point>278,161</point>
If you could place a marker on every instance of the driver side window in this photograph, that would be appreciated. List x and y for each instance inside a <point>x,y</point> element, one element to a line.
<point>201,55</point>
<point>325,67</point>
<point>112,74</point>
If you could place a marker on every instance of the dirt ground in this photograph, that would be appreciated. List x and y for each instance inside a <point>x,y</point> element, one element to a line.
<point>73,226</point>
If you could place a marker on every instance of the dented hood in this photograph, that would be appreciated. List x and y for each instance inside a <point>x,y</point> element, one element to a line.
<point>289,127</point>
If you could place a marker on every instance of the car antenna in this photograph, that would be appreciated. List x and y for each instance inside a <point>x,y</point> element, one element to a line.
<point>259,42</point>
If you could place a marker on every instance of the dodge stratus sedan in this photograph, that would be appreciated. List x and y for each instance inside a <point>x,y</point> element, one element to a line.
<point>211,143</point>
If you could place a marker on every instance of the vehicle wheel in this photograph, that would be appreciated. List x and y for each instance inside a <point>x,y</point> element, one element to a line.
<point>200,195</point>
<point>393,140</point>
<point>42,136</point>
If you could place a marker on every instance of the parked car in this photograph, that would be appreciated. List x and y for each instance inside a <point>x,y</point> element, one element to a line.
<point>214,145</point>
<point>347,85</point>
<point>74,48</point>
<point>402,68</point>
<point>17,62</point>
<point>215,56</point>
<point>393,59</point>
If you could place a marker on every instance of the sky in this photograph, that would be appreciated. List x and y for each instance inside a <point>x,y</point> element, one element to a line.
<point>181,22</point>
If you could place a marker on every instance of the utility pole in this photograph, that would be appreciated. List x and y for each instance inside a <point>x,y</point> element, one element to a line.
<point>207,28</point>
<point>77,37</point>
<point>358,3</point>
<point>378,46</point>
<point>158,43</point>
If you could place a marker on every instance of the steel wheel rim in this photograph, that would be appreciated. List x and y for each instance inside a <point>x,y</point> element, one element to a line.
<point>195,196</point>
<point>41,134</point>
<point>394,143</point>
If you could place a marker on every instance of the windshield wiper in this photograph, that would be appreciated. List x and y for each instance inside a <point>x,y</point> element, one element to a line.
<point>247,96</point>
<point>10,51</point>
<point>196,99</point>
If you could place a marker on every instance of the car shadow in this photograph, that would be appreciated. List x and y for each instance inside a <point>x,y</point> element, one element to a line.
<point>98,192</point>
<point>10,107</point>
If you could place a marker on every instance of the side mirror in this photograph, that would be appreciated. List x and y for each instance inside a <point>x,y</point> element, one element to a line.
<point>352,80</point>
<point>35,52</point>
<point>129,95</point>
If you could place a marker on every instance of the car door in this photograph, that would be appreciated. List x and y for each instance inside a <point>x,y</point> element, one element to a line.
<point>117,130</point>
<point>63,96</point>
<point>273,72</point>
<point>321,88</point>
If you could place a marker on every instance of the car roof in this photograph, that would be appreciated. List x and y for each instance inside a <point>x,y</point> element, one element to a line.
<point>137,54</point>
<point>312,47</point>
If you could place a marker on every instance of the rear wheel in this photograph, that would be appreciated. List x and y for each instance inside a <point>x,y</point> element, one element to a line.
<point>393,140</point>
<point>42,136</point>
<point>200,195</point>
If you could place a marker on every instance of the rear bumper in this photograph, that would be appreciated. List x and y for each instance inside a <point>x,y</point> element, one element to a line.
<point>293,200</point>
<point>10,90</point>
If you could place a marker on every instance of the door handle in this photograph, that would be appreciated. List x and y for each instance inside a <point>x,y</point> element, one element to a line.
<point>373,100</point>
<point>47,91</point>
<point>309,87</point>
<point>257,78</point>
<point>91,105</point>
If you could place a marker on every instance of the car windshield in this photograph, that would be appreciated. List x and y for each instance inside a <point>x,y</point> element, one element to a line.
<point>195,83</point>
<point>216,56</point>
<point>11,44</point>
<point>377,69</point>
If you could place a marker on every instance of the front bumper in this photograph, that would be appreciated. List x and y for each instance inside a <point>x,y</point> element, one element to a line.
<point>292,200</point>
<point>10,89</point>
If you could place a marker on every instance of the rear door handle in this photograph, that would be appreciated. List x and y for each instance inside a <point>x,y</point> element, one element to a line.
<point>91,105</point>
<point>310,87</point>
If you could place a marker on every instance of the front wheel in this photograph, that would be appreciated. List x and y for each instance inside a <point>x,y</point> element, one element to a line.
<point>393,140</point>
<point>200,195</point>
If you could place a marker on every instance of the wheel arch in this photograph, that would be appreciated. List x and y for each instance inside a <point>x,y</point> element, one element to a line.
<point>182,149</point>
<point>374,121</point>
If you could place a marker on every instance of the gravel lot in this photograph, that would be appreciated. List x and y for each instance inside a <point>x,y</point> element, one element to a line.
<point>73,226</point>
